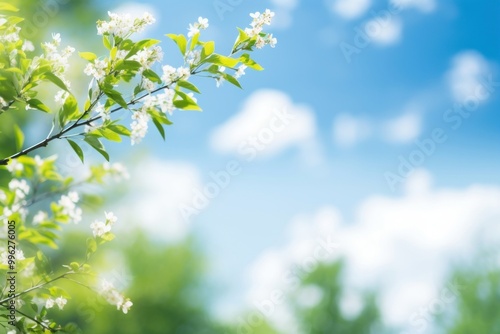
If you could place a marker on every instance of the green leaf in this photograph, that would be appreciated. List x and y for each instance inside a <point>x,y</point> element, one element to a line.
<point>120,129</point>
<point>113,53</point>
<point>130,65</point>
<point>109,134</point>
<point>188,85</point>
<point>78,150</point>
<point>37,104</point>
<point>19,137</point>
<point>55,80</point>
<point>243,37</point>
<point>97,145</point>
<point>194,41</point>
<point>144,44</point>
<point>222,60</point>
<point>75,266</point>
<point>160,128</point>
<point>69,111</point>
<point>106,42</point>
<point>152,76</point>
<point>232,80</point>
<point>116,97</point>
<point>208,49</point>
<point>245,59</point>
<point>8,7</point>
<point>180,40</point>
<point>88,56</point>
<point>186,102</point>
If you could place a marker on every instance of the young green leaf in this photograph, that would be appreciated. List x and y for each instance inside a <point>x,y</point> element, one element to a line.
<point>188,85</point>
<point>55,80</point>
<point>88,56</point>
<point>245,59</point>
<point>97,145</point>
<point>180,40</point>
<point>160,128</point>
<point>152,76</point>
<point>208,49</point>
<point>78,150</point>
<point>37,104</point>
<point>19,137</point>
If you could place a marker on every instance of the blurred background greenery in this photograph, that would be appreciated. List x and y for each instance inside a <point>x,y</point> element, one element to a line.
<point>167,282</point>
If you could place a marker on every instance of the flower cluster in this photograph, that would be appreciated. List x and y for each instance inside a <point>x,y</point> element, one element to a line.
<point>15,166</point>
<point>11,34</point>
<point>171,74</point>
<point>100,228</point>
<point>97,69</point>
<point>195,28</point>
<point>69,208</point>
<point>59,301</point>
<point>139,126</point>
<point>147,57</point>
<point>58,60</point>
<point>124,25</point>
<point>114,297</point>
<point>20,189</point>
<point>257,25</point>
<point>4,256</point>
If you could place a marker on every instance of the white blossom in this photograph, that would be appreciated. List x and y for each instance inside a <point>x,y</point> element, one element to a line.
<point>240,72</point>
<point>195,28</point>
<point>114,297</point>
<point>99,228</point>
<point>20,188</point>
<point>4,256</point>
<point>49,303</point>
<point>183,73</point>
<point>40,217</point>
<point>15,166</point>
<point>124,25</point>
<point>148,84</point>
<point>257,26</point>
<point>97,69</point>
<point>69,208</point>
<point>165,101</point>
<point>61,97</point>
<point>139,126</point>
<point>102,112</point>
<point>126,306</point>
<point>28,46</point>
<point>110,218</point>
<point>169,74</point>
<point>60,302</point>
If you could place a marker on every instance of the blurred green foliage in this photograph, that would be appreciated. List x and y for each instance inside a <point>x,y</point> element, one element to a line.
<point>165,283</point>
<point>477,306</point>
<point>327,316</point>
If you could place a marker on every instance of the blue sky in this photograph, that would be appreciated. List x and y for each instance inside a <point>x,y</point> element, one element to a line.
<point>354,120</point>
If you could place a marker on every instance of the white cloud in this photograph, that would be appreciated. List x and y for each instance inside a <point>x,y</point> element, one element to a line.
<point>268,124</point>
<point>159,188</point>
<point>349,130</point>
<point>426,6</point>
<point>384,32</point>
<point>404,128</point>
<point>349,9</point>
<point>404,246</point>
<point>283,9</point>
<point>464,77</point>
